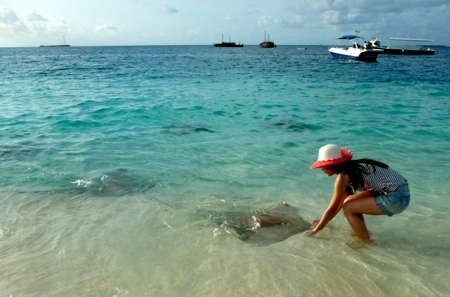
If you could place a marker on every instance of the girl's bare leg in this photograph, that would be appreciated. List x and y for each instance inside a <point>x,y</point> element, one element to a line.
<point>355,208</point>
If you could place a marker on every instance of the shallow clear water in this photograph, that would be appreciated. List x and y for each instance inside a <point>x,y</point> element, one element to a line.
<point>109,154</point>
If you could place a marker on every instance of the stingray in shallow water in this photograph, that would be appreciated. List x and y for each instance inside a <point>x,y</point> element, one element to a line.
<point>117,182</point>
<point>275,225</point>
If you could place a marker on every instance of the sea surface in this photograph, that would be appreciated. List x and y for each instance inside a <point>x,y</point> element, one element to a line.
<point>111,156</point>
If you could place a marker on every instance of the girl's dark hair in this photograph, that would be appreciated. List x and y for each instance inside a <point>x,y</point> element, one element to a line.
<point>354,169</point>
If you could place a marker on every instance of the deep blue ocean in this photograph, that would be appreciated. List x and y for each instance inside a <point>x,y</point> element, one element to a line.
<point>109,155</point>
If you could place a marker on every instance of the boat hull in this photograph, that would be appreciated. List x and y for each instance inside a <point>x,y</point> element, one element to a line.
<point>267,44</point>
<point>354,54</point>
<point>232,44</point>
<point>407,52</point>
<point>62,45</point>
<point>407,48</point>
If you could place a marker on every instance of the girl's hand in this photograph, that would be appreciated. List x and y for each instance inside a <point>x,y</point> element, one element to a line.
<point>311,232</point>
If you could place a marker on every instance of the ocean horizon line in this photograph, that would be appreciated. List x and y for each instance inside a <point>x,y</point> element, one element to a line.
<point>144,45</point>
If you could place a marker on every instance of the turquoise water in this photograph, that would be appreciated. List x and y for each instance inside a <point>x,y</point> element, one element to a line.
<point>108,154</point>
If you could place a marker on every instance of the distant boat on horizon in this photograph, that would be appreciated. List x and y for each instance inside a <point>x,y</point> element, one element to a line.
<point>228,44</point>
<point>60,45</point>
<point>267,43</point>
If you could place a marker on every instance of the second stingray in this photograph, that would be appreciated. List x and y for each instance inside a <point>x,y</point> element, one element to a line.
<point>274,225</point>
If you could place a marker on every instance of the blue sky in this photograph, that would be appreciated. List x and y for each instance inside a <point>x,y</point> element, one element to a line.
<point>202,22</point>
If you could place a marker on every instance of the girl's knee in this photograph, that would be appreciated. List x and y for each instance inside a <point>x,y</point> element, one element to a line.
<point>346,207</point>
<point>349,207</point>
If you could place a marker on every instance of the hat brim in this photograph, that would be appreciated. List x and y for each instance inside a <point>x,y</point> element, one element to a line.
<point>320,164</point>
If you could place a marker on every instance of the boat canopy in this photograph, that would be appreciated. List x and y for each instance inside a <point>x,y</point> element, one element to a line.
<point>349,37</point>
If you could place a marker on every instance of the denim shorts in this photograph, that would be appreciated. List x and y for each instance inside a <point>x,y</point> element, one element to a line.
<point>394,202</point>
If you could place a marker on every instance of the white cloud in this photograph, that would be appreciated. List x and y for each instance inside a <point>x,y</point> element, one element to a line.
<point>32,16</point>
<point>10,24</point>
<point>106,28</point>
<point>296,22</point>
<point>194,32</point>
<point>40,25</point>
<point>331,17</point>
<point>361,6</point>
<point>320,21</point>
<point>374,16</point>
<point>267,21</point>
<point>7,16</point>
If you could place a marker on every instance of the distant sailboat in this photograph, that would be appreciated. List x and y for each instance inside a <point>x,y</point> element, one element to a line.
<point>267,43</point>
<point>61,45</point>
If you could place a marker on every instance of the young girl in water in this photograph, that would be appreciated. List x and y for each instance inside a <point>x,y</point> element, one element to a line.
<point>382,191</point>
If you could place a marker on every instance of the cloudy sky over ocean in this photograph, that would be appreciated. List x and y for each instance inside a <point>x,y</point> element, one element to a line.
<point>198,22</point>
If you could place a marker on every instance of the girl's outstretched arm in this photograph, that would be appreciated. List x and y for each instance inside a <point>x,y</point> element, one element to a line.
<point>336,203</point>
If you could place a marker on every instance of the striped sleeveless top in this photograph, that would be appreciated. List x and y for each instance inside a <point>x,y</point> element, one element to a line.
<point>380,179</point>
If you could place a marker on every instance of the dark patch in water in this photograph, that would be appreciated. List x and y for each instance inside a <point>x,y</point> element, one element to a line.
<point>24,151</point>
<point>289,144</point>
<point>188,129</point>
<point>292,126</point>
<point>219,113</point>
<point>271,105</point>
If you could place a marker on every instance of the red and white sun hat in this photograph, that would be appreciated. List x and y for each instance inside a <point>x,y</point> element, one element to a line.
<point>331,154</point>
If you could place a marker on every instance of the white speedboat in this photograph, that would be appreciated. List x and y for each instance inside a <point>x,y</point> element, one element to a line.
<point>355,51</point>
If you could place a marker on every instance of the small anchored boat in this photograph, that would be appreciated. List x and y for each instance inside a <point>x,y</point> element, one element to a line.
<point>404,49</point>
<point>266,43</point>
<point>228,44</point>
<point>59,45</point>
<point>355,51</point>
